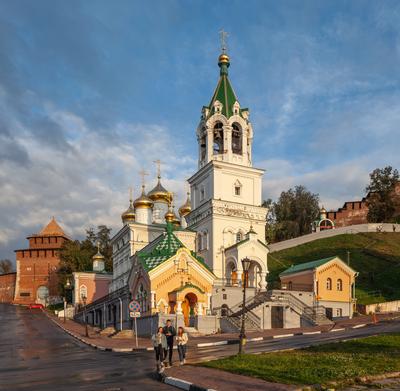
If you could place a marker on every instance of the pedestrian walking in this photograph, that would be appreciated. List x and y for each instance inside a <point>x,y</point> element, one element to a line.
<point>160,346</point>
<point>181,340</point>
<point>170,333</point>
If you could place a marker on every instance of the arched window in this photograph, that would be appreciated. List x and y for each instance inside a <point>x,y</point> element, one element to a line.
<point>329,284</point>
<point>218,144</point>
<point>83,291</point>
<point>238,237</point>
<point>205,241</point>
<point>339,285</point>
<point>199,240</point>
<point>236,139</point>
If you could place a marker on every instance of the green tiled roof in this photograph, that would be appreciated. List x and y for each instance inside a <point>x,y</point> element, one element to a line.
<point>161,249</point>
<point>225,94</point>
<point>306,266</point>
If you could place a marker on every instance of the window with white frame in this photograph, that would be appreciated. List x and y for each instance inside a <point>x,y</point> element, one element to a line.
<point>237,188</point>
<point>339,312</point>
<point>83,291</point>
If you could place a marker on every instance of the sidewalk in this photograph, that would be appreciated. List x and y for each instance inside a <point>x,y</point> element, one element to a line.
<point>215,379</point>
<point>98,341</point>
<point>129,344</point>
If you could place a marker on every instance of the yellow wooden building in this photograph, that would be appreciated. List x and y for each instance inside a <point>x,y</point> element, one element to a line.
<point>331,280</point>
<point>170,281</point>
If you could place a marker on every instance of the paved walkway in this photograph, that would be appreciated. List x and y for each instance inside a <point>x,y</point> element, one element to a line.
<point>224,381</point>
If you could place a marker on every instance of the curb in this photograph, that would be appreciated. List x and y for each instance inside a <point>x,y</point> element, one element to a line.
<point>259,339</point>
<point>182,384</point>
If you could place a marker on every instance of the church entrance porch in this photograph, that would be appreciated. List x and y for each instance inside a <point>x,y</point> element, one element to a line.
<point>188,307</point>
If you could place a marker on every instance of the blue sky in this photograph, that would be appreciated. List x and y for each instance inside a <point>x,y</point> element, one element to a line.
<point>92,91</point>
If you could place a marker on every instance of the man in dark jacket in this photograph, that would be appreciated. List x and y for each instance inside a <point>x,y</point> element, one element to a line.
<point>170,333</point>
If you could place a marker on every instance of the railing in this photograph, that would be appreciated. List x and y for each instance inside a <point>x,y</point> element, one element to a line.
<point>237,283</point>
<point>297,287</point>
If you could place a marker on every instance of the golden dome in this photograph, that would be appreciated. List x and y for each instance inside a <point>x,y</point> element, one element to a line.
<point>170,217</point>
<point>223,59</point>
<point>129,214</point>
<point>323,210</point>
<point>186,208</point>
<point>159,193</point>
<point>98,256</point>
<point>143,201</point>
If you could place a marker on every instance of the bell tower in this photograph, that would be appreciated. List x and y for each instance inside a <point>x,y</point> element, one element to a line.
<point>226,191</point>
<point>224,132</point>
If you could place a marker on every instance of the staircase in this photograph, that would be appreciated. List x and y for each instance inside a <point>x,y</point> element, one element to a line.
<point>315,315</point>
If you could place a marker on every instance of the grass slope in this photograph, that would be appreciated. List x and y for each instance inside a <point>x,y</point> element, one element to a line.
<point>376,256</point>
<point>340,362</point>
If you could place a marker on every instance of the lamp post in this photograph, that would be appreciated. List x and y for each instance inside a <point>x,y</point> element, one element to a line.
<point>246,263</point>
<point>67,287</point>
<point>84,314</point>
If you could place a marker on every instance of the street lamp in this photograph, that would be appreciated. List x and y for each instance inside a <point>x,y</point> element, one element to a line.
<point>246,263</point>
<point>67,287</point>
<point>83,297</point>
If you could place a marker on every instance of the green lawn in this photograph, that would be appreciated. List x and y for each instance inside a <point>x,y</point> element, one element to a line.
<point>340,362</point>
<point>376,256</point>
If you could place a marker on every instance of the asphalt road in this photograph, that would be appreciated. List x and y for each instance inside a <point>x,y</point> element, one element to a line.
<point>35,354</point>
<point>294,342</point>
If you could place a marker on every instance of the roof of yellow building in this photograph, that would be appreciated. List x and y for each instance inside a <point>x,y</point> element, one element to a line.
<point>306,266</point>
<point>163,248</point>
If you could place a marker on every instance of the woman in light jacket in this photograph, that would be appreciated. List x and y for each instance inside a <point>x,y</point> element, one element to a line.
<point>181,340</point>
<point>160,346</point>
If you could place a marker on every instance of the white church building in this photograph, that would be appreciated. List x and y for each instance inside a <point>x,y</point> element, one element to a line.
<point>221,223</point>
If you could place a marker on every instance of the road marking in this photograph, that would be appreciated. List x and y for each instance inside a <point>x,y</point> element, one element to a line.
<point>358,326</point>
<point>312,332</point>
<point>204,345</point>
<point>255,339</point>
<point>334,330</point>
<point>283,336</point>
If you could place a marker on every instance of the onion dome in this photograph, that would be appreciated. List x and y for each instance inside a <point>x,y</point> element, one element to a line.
<point>129,215</point>
<point>186,208</point>
<point>223,59</point>
<point>323,210</point>
<point>170,217</point>
<point>159,193</point>
<point>98,260</point>
<point>143,201</point>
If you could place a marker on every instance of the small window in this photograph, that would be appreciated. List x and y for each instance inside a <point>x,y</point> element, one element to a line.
<point>202,194</point>
<point>224,296</point>
<point>24,294</point>
<point>237,190</point>
<point>329,284</point>
<point>238,237</point>
<point>339,285</point>
<point>339,312</point>
<point>83,291</point>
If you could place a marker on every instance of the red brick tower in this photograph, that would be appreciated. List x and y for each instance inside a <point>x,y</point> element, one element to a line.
<point>37,266</point>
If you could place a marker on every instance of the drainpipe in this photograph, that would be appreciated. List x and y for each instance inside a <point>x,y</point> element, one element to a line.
<point>120,312</point>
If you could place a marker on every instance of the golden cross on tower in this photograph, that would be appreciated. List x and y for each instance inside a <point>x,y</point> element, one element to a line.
<point>158,162</point>
<point>98,246</point>
<point>143,173</point>
<point>224,35</point>
<point>130,194</point>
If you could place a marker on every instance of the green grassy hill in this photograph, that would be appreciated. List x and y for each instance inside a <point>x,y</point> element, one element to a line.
<point>376,256</point>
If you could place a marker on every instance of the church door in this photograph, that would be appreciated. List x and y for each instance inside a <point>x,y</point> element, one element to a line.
<point>186,310</point>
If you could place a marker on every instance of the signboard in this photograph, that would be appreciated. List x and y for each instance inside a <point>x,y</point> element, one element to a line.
<point>134,314</point>
<point>134,306</point>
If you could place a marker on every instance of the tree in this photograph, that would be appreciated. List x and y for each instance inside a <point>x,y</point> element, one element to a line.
<point>270,226</point>
<point>76,256</point>
<point>294,213</point>
<point>381,207</point>
<point>5,266</point>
